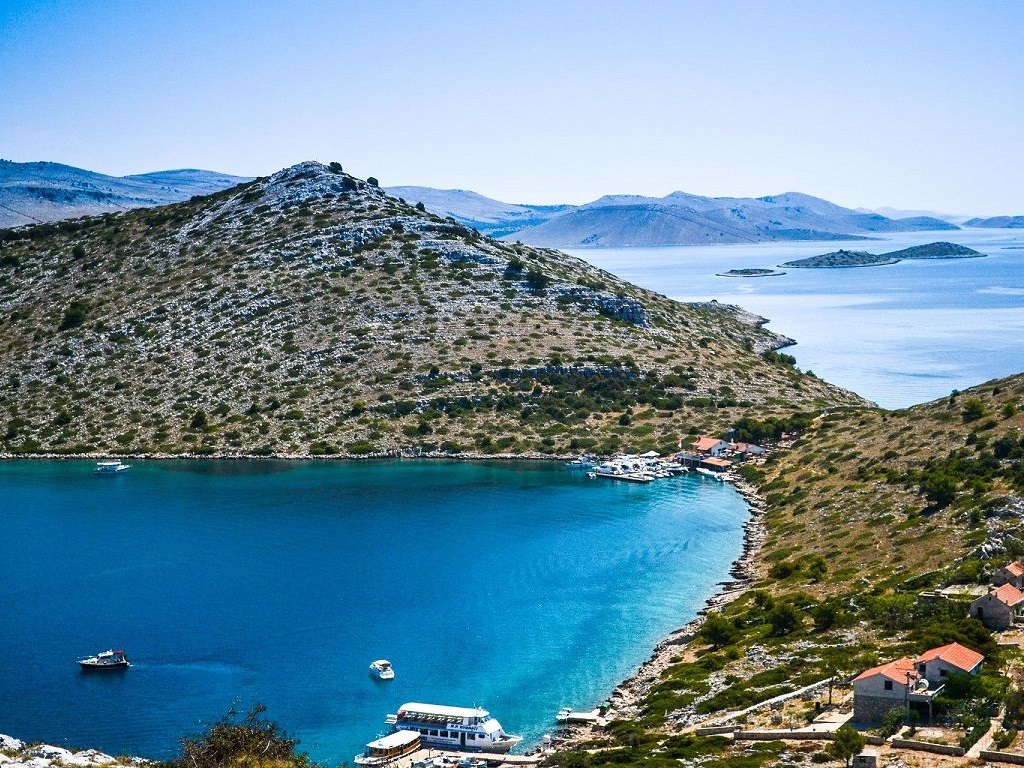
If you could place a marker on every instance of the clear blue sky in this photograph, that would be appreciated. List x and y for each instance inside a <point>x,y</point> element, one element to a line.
<point>908,104</point>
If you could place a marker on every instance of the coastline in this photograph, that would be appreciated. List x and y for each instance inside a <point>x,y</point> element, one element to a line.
<point>625,699</point>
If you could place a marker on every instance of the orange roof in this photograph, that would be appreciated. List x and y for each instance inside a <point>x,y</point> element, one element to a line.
<point>705,443</point>
<point>896,671</point>
<point>955,655</point>
<point>1008,594</point>
<point>1015,568</point>
<point>717,462</point>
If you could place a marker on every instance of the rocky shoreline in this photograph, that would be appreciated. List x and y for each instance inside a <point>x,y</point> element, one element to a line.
<point>15,753</point>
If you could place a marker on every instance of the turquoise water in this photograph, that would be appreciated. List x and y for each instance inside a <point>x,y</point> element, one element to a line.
<point>899,335</point>
<point>518,587</point>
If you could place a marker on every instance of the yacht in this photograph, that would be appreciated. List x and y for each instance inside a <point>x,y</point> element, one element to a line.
<point>469,729</point>
<point>712,474</point>
<point>106,660</point>
<point>110,467</point>
<point>389,748</point>
<point>382,669</point>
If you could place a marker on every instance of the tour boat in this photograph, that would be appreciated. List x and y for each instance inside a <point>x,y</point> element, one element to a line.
<point>105,660</point>
<point>382,669</point>
<point>110,467</point>
<point>389,748</point>
<point>460,728</point>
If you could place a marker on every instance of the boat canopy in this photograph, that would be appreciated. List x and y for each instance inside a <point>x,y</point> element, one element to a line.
<point>414,709</point>
<point>394,740</point>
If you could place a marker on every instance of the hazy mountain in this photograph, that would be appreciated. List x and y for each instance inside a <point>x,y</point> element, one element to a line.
<point>679,218</point>
<point>484,214</point>
<point>38,192</point>
<point>907,213</point>
<point>998,222</point>
<point>927,222</point>
<point>309,312</point>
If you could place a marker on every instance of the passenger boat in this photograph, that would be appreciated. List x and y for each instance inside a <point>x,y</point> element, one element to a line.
<point>461,728</point>
<point>110,467</point>
<point>382,669</point>
<point>105,660</point>
<point>710,473</point>
<point>389,748</point>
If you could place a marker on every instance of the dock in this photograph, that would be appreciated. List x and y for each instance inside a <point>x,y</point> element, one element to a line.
<point>452,757</point>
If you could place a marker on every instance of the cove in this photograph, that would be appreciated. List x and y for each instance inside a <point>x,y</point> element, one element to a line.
<point>517,586</point>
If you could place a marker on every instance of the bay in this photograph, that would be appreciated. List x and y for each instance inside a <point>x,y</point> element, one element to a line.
<point>520,587</point>
<point>899,335</point>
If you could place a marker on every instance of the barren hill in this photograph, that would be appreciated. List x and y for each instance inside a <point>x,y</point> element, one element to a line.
<point>309,312</point>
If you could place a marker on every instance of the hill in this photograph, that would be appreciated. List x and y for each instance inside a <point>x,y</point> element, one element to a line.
<point>684,219</point>
<point>843,258</point>
<point>997,222</point>
<point>311,313</point>
<point>42,192</point>
<point>486,215</point>
<point>941,250</point>
<point>927,222</point>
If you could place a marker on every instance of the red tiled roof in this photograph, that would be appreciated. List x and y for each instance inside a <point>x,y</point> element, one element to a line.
<point>1008,594</point>
<point>955,655</point>
<point>705,443</point>
<point>896,671</point>
<point>1015,568</point>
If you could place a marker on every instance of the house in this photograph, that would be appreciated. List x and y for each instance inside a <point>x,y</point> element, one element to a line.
<point>1011,573</point>
<point>709,446</point>
<point>935,664</point>
<point>895,684</point>
<point>748,449</point>
<point>1000,608</point>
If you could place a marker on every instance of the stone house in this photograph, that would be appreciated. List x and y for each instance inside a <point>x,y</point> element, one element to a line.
<point>893,685</point>
<point>936,664</point>
<point>1011,573</point>
<point>1000,608</point>
<point>748,449</point>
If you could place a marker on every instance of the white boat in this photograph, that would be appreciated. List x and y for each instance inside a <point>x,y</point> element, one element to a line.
<point>469,729</point>
<point>110,467</point>
<point>105,660</point>
<point>710,473</point>
<point>568,715</point>
<point>389,748</point>
<point>382,669</point>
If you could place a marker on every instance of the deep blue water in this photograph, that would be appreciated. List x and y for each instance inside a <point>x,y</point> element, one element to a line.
<point>899,335</point>
<point>518,587</point>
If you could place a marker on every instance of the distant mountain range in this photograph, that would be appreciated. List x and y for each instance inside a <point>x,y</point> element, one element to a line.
<point>676,219</point>
<point>31,193</point>
<point>41,192</point>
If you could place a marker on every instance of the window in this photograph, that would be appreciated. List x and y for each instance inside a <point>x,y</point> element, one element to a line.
<point>888,685</point>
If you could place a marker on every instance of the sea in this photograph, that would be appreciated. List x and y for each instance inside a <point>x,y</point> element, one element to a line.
<point>898,335</point>
<point>521,587</point>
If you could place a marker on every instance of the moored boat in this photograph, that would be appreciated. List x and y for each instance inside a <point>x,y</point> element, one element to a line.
<point>107,660</point>
<point>389,748</point>
<point>469,729</point>
<point>382,669</point>
<point>110,467</point>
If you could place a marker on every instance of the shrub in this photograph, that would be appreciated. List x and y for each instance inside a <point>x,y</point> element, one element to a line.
<point>253,741</point>
<point>74,315</point>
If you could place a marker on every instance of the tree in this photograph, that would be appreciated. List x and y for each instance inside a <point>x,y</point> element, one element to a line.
<point>253,742</point>
<point>973,410</point>
<point>334,167</point>
<point>939,488</point>
<point>719,631</point>
<point>372,181</point>
<point>784,618</point>
<point>199,420</point>
<point>847,743</point>
<point>421,207</point>
<point>74,315</point>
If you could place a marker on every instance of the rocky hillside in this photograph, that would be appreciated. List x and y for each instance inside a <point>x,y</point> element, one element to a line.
<point>895,495</point>
<point>999,222</point>
<point>310,312</point>
<point>40,192</point>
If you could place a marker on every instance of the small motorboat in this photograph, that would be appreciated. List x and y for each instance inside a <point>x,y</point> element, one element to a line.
<point>106,660</point>
<point>382,670</point>
<point>110,467</point>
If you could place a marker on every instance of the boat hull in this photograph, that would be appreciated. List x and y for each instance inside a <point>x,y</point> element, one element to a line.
<point>89,666</point>
<point>484,746</point>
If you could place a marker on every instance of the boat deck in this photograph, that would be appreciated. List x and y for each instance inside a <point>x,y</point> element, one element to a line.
<point>454,756</point>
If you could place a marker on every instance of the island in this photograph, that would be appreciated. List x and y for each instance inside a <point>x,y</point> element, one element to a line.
<point>844,258</point>
<point>750,272</point>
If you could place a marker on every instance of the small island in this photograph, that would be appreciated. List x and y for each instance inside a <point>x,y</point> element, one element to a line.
<point>750,272</point>
<point>841,258</point>
<point>844,258</point>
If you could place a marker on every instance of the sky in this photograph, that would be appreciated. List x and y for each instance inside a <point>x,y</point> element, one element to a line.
<point>913,104</point>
